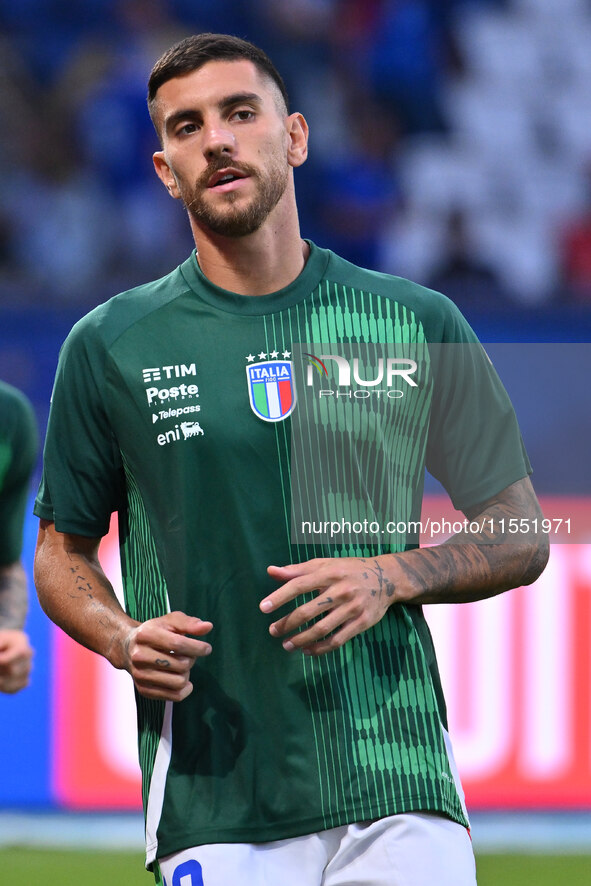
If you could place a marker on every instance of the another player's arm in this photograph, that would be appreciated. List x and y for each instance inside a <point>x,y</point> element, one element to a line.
<point>13,596</point>
<point>16,654</point>
<point>354,593</point>
<point>76,594</point>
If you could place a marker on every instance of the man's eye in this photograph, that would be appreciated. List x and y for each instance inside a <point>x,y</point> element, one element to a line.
<point>188,129</point>
<point>244,114</point>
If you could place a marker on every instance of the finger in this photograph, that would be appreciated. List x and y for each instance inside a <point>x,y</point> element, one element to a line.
<point>323,646</point>
<point>303,614</point>
<point>157,674</point>
<point>292,570</point>
<point>318,631</point>
<point>179,646</point>
<point>302,578</point>
<point>159,692</point>
<point>153,658</point>
<point>185,624</point>
<point>169,632</point>
<point>155,635</point>
<point>14,651</point>
<point>20,666</point>
<point>294,588</point>
<point>8,660</point>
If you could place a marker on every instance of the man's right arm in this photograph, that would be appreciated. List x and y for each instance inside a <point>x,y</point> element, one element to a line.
<point>75,593</point>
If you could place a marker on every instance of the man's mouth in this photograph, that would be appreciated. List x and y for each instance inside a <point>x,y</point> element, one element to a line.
<point>225,177</point>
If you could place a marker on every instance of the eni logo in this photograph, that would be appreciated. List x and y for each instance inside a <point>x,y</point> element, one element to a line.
<point>186,428</point>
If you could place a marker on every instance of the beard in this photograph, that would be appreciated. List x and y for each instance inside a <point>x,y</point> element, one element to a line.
<point>231,220</point>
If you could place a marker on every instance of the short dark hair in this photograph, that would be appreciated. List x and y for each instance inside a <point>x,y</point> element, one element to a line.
<point>193,52</point>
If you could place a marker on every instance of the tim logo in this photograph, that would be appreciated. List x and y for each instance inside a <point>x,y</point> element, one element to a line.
<point>177,370</point>
<point>271,389</point>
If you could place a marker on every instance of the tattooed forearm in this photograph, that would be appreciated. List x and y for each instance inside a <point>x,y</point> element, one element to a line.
<point>81,584</point>
<point>84,585</point>
<point>459,573</point>
<point>475,565</point>
<point>13,597</point>
<point>518,505</point>
<point>76,594</point>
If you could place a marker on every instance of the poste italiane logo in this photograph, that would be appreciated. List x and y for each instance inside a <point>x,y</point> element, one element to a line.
<point>271,385</point>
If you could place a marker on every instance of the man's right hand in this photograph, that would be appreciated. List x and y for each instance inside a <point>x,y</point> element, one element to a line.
<point>160,655</point>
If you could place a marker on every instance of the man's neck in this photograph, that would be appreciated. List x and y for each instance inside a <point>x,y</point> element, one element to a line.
<point>258,264</point>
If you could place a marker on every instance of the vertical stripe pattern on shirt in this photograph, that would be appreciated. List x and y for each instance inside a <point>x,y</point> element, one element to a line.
<point>377,728</point>
<point>146,597</point>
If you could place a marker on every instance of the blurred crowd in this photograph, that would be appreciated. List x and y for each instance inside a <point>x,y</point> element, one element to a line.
<point>431,156</point>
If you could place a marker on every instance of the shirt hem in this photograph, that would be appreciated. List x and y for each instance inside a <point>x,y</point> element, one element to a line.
<point>302,828</point>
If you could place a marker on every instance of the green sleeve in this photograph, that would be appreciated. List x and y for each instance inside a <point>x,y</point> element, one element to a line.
<point>18,452</point>
<point>474,446</point>
<point>81,480</point>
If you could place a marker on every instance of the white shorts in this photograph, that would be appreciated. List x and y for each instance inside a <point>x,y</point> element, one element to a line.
<point>402,850</point>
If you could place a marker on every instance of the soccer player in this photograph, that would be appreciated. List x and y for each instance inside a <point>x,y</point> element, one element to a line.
<point>18,451</point>
<point>291,720</point>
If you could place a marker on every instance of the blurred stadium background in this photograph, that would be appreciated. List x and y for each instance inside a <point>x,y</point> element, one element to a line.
<point>450,143</point>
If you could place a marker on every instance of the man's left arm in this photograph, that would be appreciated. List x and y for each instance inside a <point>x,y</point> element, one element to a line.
<point>354,593</point>
<point>15,651</point>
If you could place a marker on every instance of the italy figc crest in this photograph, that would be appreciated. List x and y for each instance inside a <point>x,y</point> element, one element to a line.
<point>271,388</point>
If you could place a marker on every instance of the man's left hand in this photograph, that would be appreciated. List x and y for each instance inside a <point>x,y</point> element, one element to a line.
<point>352,595</point>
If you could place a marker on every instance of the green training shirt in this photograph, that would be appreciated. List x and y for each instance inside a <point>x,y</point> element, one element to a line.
<point>174,404</point>
<point>18,451</point>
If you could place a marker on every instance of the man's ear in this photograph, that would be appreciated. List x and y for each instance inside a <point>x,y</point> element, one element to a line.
<point>165,175</point>
<point>297,133</point>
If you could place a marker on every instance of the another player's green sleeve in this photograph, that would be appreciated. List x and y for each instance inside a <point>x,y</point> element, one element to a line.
<point>18,452</point>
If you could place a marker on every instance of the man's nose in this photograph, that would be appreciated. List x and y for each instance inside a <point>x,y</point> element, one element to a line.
<point>217,141</point>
